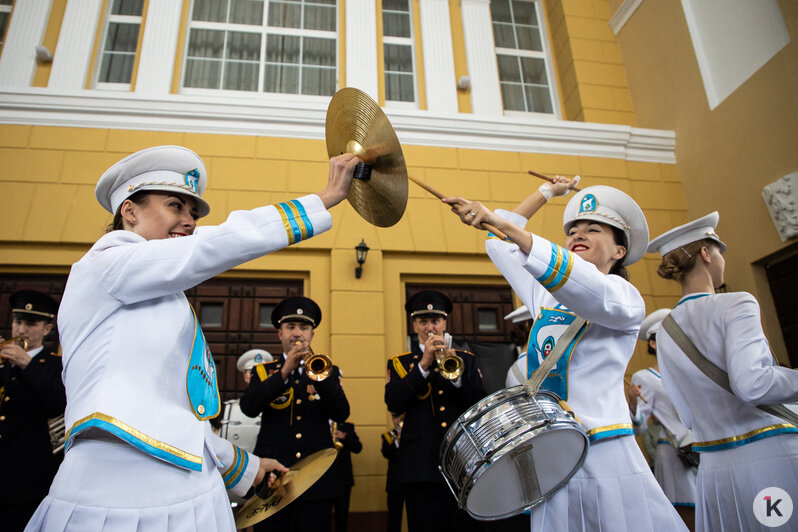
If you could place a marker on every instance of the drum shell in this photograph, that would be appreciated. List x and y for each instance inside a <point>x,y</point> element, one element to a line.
<point>239,428</point>
<point>510,452</point>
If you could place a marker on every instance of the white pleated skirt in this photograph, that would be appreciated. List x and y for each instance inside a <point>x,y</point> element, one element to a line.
<point>614,491</point>
<point>111,486</point>
<point>729,480</point>
<point>676,479</point>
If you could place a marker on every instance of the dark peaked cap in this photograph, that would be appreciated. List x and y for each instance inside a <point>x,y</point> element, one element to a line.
<point>296,308</point>
<point>428,303</point>
<point>33,305</point>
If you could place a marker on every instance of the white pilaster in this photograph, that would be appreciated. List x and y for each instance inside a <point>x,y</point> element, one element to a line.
<point>158,47</point>
<point>481,58</point>
<point>73,53</point>
<point>439,76</point>
<point>361,46</point>
<point>25,31</point>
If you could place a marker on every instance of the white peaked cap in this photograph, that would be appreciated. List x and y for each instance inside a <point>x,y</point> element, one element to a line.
<point>252,357</point>
<point>160,168</point>
<point>610,206</point>
<point>652,322</point>
<point>688,233</point>
<point>520,314</point>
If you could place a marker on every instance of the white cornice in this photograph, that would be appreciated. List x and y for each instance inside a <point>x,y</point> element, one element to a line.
<point>623,14</point>
<point>305,119</point>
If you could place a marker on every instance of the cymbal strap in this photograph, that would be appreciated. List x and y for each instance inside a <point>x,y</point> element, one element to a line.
<point>362,171</point>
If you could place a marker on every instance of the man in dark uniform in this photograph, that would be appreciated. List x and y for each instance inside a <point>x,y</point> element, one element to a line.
<point>430,403</point>
<point>296,412</point>
<point>31,391</point>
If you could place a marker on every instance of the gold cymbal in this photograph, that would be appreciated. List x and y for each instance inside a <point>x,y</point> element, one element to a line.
<point>288,487</point>
<point>356,124</point>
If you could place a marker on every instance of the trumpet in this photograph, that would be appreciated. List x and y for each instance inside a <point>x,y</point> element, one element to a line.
<point>318,367</point>
<point>20,341</point>
<point>450,367</point>
<point>338,444</point>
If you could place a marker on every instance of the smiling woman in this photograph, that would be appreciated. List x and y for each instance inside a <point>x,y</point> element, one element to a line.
<point>605,230</point>
<point>138,372</point>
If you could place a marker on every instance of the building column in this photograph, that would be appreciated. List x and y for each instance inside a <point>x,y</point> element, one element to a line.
<point>25,32</point>
<point>159,47</point>
<point>361,46</point>
<point>75,45</point>
<point>436,38</point>
<point>486,96</point>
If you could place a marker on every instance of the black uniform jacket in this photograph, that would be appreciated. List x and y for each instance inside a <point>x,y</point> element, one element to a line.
<point>389,451</point>
<point>430,406</point>
<point>29,397</point>
<point>296,414</point>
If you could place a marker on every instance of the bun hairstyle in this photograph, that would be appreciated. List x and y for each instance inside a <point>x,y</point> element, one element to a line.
<point>679,262</point>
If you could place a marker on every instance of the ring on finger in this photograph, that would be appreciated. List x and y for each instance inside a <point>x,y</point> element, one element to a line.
<point>472,213</point>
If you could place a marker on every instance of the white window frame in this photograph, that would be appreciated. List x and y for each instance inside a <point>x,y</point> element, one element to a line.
<point>111,19</point>
<point>402,41</point>
<point>264,31</point>
<point>546,56</point>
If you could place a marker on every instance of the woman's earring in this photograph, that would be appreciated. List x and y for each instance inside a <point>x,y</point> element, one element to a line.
<point>134,220</point>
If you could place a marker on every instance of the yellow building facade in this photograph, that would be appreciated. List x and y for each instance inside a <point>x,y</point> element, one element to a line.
<point>60,128</point>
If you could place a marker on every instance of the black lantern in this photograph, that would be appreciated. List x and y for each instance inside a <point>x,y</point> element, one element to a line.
<point>361,250</point>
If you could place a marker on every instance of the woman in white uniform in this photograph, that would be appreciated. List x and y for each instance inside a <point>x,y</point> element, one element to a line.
<point>675,477</point>
<point>605,230</point>
<point>744,450</point>
<point>140,379</point>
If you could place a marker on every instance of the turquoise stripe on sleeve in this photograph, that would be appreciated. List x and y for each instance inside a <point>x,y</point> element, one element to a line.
<point>610,434</point>
<point>563,268</point>
<point>236,472</point>
<point>552,263</point>
<point>304,216</point>
<point>290,218</point>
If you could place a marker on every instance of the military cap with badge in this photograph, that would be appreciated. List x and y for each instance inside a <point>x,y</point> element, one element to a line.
<point>428,303</point>
<point>296,308</point>
<point>158,169</point>
<point>32,305</point>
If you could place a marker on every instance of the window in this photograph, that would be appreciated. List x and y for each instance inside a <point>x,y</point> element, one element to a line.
<point>522,56</point>
<point>280,46</point>
<point>120,41</point>
<point>5,14</point>
<point>397,48</point>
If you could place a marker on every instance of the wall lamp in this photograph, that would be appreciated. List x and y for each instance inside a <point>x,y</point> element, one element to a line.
<point>361,250</point>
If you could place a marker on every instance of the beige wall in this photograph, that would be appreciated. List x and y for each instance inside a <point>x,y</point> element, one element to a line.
<point>726,155</point>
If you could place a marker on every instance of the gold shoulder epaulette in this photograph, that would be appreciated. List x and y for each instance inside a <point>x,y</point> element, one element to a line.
<point>55,354</point>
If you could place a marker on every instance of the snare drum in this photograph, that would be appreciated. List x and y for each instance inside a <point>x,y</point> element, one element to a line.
<point>510,452</point>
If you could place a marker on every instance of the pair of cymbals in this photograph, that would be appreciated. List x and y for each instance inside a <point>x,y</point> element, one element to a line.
<point>288,487</point>
<point>356,124</point>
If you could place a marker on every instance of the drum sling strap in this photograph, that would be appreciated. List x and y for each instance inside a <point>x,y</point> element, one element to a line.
<point>539,375</point>
<point>716,374</point>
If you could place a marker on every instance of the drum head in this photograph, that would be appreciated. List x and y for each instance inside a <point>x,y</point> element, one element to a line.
<point>527,474</point>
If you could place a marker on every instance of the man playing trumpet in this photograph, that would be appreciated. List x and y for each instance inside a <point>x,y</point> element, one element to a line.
<point>428,387</point>
<point>298,393</point>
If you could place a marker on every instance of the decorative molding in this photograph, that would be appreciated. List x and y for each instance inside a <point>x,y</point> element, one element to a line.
<point>438,53</point>
<point>18,61</point>
<point>295,118</point>
<point>486,98</point>
<point>781,198</point>
<point>623,14</point>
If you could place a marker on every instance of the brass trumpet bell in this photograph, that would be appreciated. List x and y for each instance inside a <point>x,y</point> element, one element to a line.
<point>356,124</point>
<point>450,366</point>
<point>20,341</point>
<point>318,367</point>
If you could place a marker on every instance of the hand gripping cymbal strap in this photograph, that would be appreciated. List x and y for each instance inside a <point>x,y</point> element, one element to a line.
<point>539,375</point>
<point>713,372</point>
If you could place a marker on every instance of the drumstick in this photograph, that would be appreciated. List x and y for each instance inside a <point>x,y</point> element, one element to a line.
<point>441,196</point>
<point>547,178</point>
<point>628,382</point>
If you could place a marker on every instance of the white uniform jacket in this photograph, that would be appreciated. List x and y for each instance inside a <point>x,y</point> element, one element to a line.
<point>726,329</point>
<point>555,284</point>
<point>135,360</point>
<point>657,403</point>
